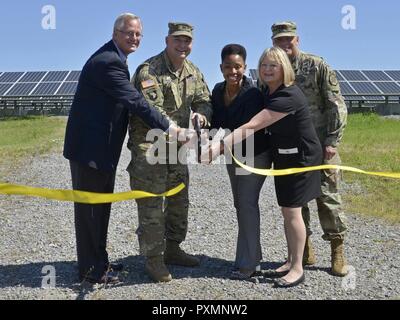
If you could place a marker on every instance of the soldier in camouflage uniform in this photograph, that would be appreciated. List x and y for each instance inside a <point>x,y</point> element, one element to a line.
<point>175,86</point>
<point>329,112</point>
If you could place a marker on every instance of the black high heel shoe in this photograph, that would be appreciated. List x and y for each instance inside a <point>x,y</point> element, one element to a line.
<point>282,283</point>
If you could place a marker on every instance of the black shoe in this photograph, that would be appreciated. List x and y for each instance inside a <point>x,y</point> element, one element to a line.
<point>239,275</point>
<point>107,278</point>
<point>116,267</point>
<point>258,273</point>
<point>274,274</point>
<point>282,283</point>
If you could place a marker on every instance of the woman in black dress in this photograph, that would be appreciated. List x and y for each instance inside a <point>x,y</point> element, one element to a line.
<point>294,143</point>
<point>235,101</point>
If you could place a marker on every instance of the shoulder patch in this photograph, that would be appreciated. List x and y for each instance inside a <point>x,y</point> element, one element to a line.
<point>147,84</point>
<point>332,78</point>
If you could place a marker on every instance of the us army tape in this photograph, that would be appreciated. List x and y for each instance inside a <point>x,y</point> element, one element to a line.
<point>83,196</point>
<point>284,172</point>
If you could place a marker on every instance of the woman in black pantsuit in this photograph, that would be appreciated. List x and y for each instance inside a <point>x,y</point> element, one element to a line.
<point>294,143</point>
<point>235,101</point>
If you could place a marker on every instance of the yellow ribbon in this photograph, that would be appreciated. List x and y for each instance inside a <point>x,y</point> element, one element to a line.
<point>284,172</point>
<point>83,196</point>
<point>96,198</point>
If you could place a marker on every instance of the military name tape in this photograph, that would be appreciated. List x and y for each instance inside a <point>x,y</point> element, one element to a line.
<point>83,196</point>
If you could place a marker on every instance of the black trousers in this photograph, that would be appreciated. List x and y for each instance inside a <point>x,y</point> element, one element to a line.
<point>91,220</point>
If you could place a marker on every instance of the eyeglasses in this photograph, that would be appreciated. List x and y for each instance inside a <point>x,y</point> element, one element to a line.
<point>272,66</point>
<point>131,34</point>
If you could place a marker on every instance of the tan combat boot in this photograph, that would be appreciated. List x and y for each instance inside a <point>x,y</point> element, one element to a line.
<point>308,255</point>
<point>339,266</point>
<point>156,269</point>
<point>175,255</point>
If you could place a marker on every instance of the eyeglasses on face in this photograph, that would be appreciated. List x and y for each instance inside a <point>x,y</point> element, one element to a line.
<point>131,34</point>
<point>272,66</point>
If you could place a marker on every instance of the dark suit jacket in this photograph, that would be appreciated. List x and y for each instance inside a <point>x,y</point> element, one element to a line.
<point>99,114</point>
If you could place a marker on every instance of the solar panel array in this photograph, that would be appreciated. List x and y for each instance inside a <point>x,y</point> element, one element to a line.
<point>354,84</point>
<point>38,83</point>
<point>57,83</point>
<point>369,83</point>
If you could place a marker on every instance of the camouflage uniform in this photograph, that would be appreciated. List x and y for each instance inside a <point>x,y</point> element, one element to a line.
<point>329,112</point>
<point>174,94</point>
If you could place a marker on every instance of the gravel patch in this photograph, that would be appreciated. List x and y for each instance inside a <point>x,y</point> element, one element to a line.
<point>35,233</point>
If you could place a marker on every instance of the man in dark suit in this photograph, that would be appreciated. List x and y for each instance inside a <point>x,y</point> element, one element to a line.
<point>94,136</point>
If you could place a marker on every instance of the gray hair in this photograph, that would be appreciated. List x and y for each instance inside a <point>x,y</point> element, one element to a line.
<point>122,18</point>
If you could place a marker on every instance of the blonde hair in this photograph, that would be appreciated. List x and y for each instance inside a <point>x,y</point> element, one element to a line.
<point>278,55</point>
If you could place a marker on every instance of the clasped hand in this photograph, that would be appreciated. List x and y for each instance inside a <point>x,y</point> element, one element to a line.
<point>190,139</point>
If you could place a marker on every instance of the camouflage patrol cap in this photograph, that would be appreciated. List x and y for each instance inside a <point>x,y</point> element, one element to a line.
<point>180,29</point>
<point>284,29</point>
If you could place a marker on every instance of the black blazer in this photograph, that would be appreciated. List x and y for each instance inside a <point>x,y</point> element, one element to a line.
<point>245,106</point>
<point>100,110</point>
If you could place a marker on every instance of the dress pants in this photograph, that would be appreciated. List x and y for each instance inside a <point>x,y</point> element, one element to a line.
<point>246,192</point>
<point>91,220</point>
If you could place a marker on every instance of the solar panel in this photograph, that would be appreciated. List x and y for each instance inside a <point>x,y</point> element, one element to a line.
<point>46,88</point>
<point>375,75</point>
<point>388,87</point>
<point>364,87</point>
<point>67,88</point>
<point>73,76</point>
<point>354,98</point>
<point>21,89</point>
<point>374,98</point>
<point>55,76</point>
<point>32,76</point>
<point>339,76</point>
<point>345,88</point>
<point>10,76</point>
<point>353,75</point>
<point>4,87</point>
<point>397,98</point>
<point>394,74</point>
<point>253,74</point>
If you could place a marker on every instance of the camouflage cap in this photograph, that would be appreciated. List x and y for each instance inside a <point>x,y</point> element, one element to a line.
<point>180,29</point>
<point>284,29</point>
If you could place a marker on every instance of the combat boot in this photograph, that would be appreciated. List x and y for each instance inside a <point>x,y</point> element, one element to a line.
<point>156,269</point>
<point>339,266</point>
<point>308,255</point>
<point>175,255</point>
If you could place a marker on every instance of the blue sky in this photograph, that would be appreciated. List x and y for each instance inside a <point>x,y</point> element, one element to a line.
<point>83,26</point>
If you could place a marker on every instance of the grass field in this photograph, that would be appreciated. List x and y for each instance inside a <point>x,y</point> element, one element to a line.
<point>30,136</point>
<point>372,143</point>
